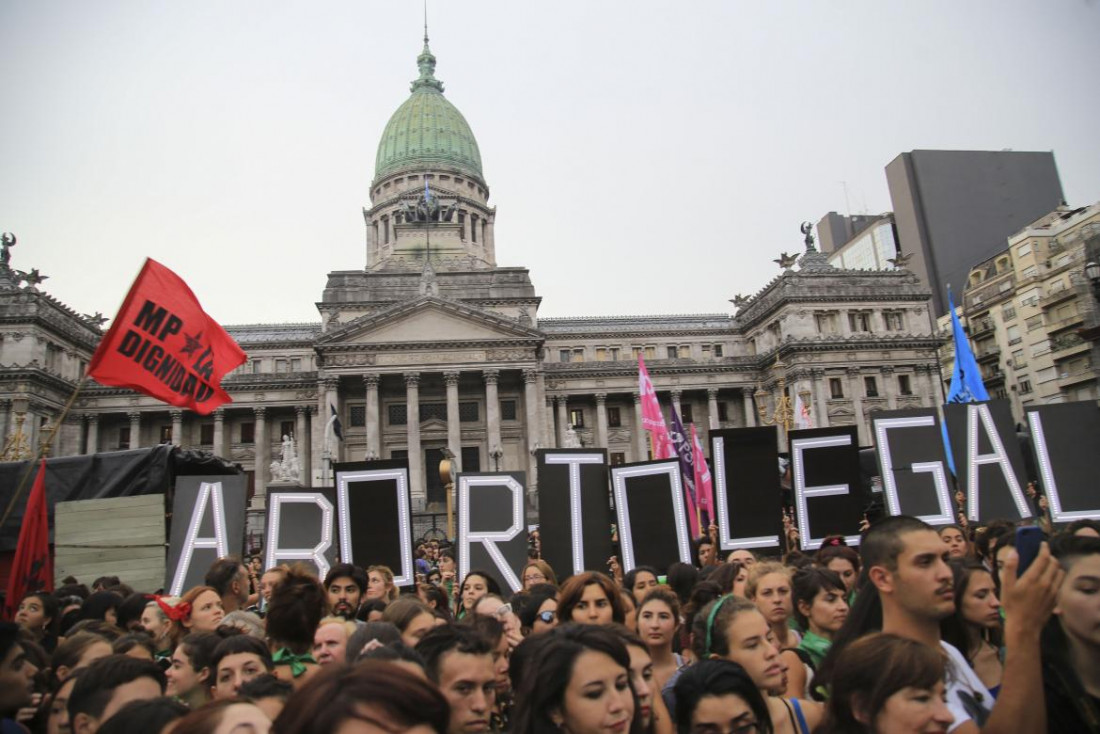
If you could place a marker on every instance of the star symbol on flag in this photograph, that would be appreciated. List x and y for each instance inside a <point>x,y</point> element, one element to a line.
<point>192,344</point>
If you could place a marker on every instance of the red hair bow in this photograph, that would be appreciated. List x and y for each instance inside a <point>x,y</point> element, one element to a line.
<point>176,613</point>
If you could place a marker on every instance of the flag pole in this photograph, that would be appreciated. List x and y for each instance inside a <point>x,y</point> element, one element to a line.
<point>43,449</point>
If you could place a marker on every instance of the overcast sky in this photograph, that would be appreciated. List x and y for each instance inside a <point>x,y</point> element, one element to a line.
<point>644,157</point>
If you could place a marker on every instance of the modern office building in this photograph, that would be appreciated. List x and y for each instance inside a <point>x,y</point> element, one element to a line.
<point>954,209</point>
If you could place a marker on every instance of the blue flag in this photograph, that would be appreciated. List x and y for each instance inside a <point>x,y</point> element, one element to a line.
<point>966,379</point>
<point>427,191</point>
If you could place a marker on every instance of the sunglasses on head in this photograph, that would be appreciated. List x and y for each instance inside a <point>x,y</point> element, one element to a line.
<point>546,617</point>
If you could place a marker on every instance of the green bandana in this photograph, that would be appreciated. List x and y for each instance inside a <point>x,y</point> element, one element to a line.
<point>815,646</point>
<point>297,663</point>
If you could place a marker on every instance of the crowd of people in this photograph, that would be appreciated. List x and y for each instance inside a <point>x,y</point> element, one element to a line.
<point>920,629</point>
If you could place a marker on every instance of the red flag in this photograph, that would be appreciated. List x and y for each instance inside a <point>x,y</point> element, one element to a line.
<point>32,568</point>
<point>704,485</point>
<point>653,420</point>
<point>164,345</point>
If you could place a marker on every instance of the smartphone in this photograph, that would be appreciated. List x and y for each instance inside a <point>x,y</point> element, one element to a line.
<point>1028,539</point>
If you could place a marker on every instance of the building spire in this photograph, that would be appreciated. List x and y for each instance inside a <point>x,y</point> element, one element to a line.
<point>426,63</point>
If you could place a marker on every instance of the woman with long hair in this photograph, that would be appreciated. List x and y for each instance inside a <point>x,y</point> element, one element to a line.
<point>590,598</point>
<point>380,584</point>
<point>954,537</point>
<point>975,628</point>
<point>39,614</point>
<point>769,587</point>
<point>578,682</point>
<point>658,625</point>
<point>821,609</point>
<point>476,585</point>
<point>654,715</point>
<point>191,673</point>
<point>885,684</point>
<point>1071,639</point>
<point>732,628</point>
<point>639,581</point>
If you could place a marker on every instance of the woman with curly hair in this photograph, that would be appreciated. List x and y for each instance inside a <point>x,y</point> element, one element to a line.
<point>297,606</point>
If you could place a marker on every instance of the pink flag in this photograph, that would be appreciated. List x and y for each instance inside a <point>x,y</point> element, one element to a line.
<point>652,418</point>
<point>704,487</point>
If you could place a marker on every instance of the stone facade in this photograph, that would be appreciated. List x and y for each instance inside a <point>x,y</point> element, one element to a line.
<point>433,345</point>
<point>1027,312</point>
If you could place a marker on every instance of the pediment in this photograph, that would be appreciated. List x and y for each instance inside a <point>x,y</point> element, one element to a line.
<point>429,319</point>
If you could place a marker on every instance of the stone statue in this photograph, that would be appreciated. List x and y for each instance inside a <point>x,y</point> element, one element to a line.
<point>286,469</point>
<point>807,229</point>
<point>571,440</point>
<point>7,241</point>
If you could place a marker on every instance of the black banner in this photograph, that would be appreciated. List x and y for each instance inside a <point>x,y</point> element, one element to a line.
<point>989,463</point>
<point>207,524</point>
<point>649,503</point>
<point>492,527</point>
<point>913,464</point>
<point>374,515</point>
<point>574,509</point>
<point>99,476</point>
<point>825,476</point>
<point>301,526</point>
<point>1065,437</point>
<point>746,487</point>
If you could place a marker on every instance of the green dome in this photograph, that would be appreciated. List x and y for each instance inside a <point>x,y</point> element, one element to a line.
<point>427,130</point>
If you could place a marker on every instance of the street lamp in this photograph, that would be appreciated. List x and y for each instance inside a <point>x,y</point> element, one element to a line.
<point>495,453</point>
<point>783,415</point>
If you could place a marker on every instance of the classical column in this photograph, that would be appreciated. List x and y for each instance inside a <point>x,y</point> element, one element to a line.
<point>261,450</point>
<point>548,414</point>
<point>454,422</point>
<point>821,404</point>
<point>534,435</point>
<point>177,427</point>
<point>854,390</point>
<point>750,413</point>
<point>219,432</point>
<point>712,409</point>
<point>676,403</point>
<point>330,398</point>
<point>412,432</point>
<point>492,408</point>
<point>135,429</point>
<point>563,418</point>
<point>301,443</point>
<point>374,423</point>
<point>5,415</point>
<point>639,431</point>
<point>531,404</point>
<point>601,420</point>
<point>890,387</point>
<point>93,433</point>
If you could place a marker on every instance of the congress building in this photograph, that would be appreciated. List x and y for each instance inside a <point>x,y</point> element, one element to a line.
<point>433,345</point>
